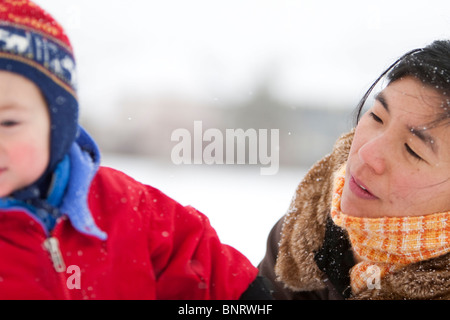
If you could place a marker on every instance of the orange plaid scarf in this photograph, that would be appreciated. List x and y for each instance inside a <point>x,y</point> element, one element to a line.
<point>389,243</point>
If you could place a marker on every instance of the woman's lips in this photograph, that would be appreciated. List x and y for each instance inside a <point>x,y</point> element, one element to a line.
<point>360,190</point>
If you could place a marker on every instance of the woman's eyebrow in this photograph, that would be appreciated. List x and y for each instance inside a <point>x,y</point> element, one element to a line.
<point>424,137</point>
<point>382,99</point>
<point>420,133</point>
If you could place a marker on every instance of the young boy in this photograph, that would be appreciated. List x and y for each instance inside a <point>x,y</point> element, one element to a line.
<point>70,229</point>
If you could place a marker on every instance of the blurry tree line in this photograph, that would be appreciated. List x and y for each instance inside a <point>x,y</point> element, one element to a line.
<point>143,126</point>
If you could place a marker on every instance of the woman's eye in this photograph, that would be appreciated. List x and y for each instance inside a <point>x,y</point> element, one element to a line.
<point>411,152</point>
<point>376,118</point>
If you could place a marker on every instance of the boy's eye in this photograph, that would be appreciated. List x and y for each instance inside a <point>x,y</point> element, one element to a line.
<point>376,118</point>
<point>411,152</point>
<point>8,123</point>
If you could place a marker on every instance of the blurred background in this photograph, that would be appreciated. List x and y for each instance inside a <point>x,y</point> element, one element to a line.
<point>149,67</point>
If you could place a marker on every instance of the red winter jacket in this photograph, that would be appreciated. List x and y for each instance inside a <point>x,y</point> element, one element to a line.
<point>155,249</point>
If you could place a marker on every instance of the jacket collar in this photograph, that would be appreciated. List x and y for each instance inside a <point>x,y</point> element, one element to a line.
<point>84,158</point>
<point>305,223</point>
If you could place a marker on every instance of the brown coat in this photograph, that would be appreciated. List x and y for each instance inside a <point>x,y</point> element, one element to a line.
<point>290,258</point>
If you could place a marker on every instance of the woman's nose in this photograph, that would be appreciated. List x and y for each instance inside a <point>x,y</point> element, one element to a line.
<point>373,153</point>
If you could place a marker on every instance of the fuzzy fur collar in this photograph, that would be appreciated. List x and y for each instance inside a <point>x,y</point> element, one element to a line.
<point>303,235</point>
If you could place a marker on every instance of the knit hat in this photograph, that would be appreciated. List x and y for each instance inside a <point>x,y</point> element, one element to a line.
<point>34,45</point>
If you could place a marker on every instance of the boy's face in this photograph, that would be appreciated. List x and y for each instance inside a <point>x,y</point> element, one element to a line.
<point>24,133</point>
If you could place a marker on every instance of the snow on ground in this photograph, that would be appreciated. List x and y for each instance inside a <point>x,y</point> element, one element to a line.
<point>241,204</point>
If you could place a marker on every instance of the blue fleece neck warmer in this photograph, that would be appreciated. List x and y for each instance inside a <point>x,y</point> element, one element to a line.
<point>69,190</point>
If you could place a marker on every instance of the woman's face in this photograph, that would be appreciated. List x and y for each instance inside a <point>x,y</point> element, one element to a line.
<point>395,168</point>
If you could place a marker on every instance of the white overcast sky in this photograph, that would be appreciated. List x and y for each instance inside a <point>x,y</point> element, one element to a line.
<point>320,51</point>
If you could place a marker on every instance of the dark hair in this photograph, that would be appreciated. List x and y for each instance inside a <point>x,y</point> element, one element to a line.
<point>430,64</point>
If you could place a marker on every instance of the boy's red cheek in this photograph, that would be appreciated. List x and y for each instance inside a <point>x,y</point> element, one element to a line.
<point>26,152</point>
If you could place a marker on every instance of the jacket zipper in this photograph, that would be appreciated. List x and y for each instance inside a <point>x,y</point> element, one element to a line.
<point>51,244</point>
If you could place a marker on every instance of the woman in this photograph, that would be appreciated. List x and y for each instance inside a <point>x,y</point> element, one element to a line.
<point>371,220</point>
